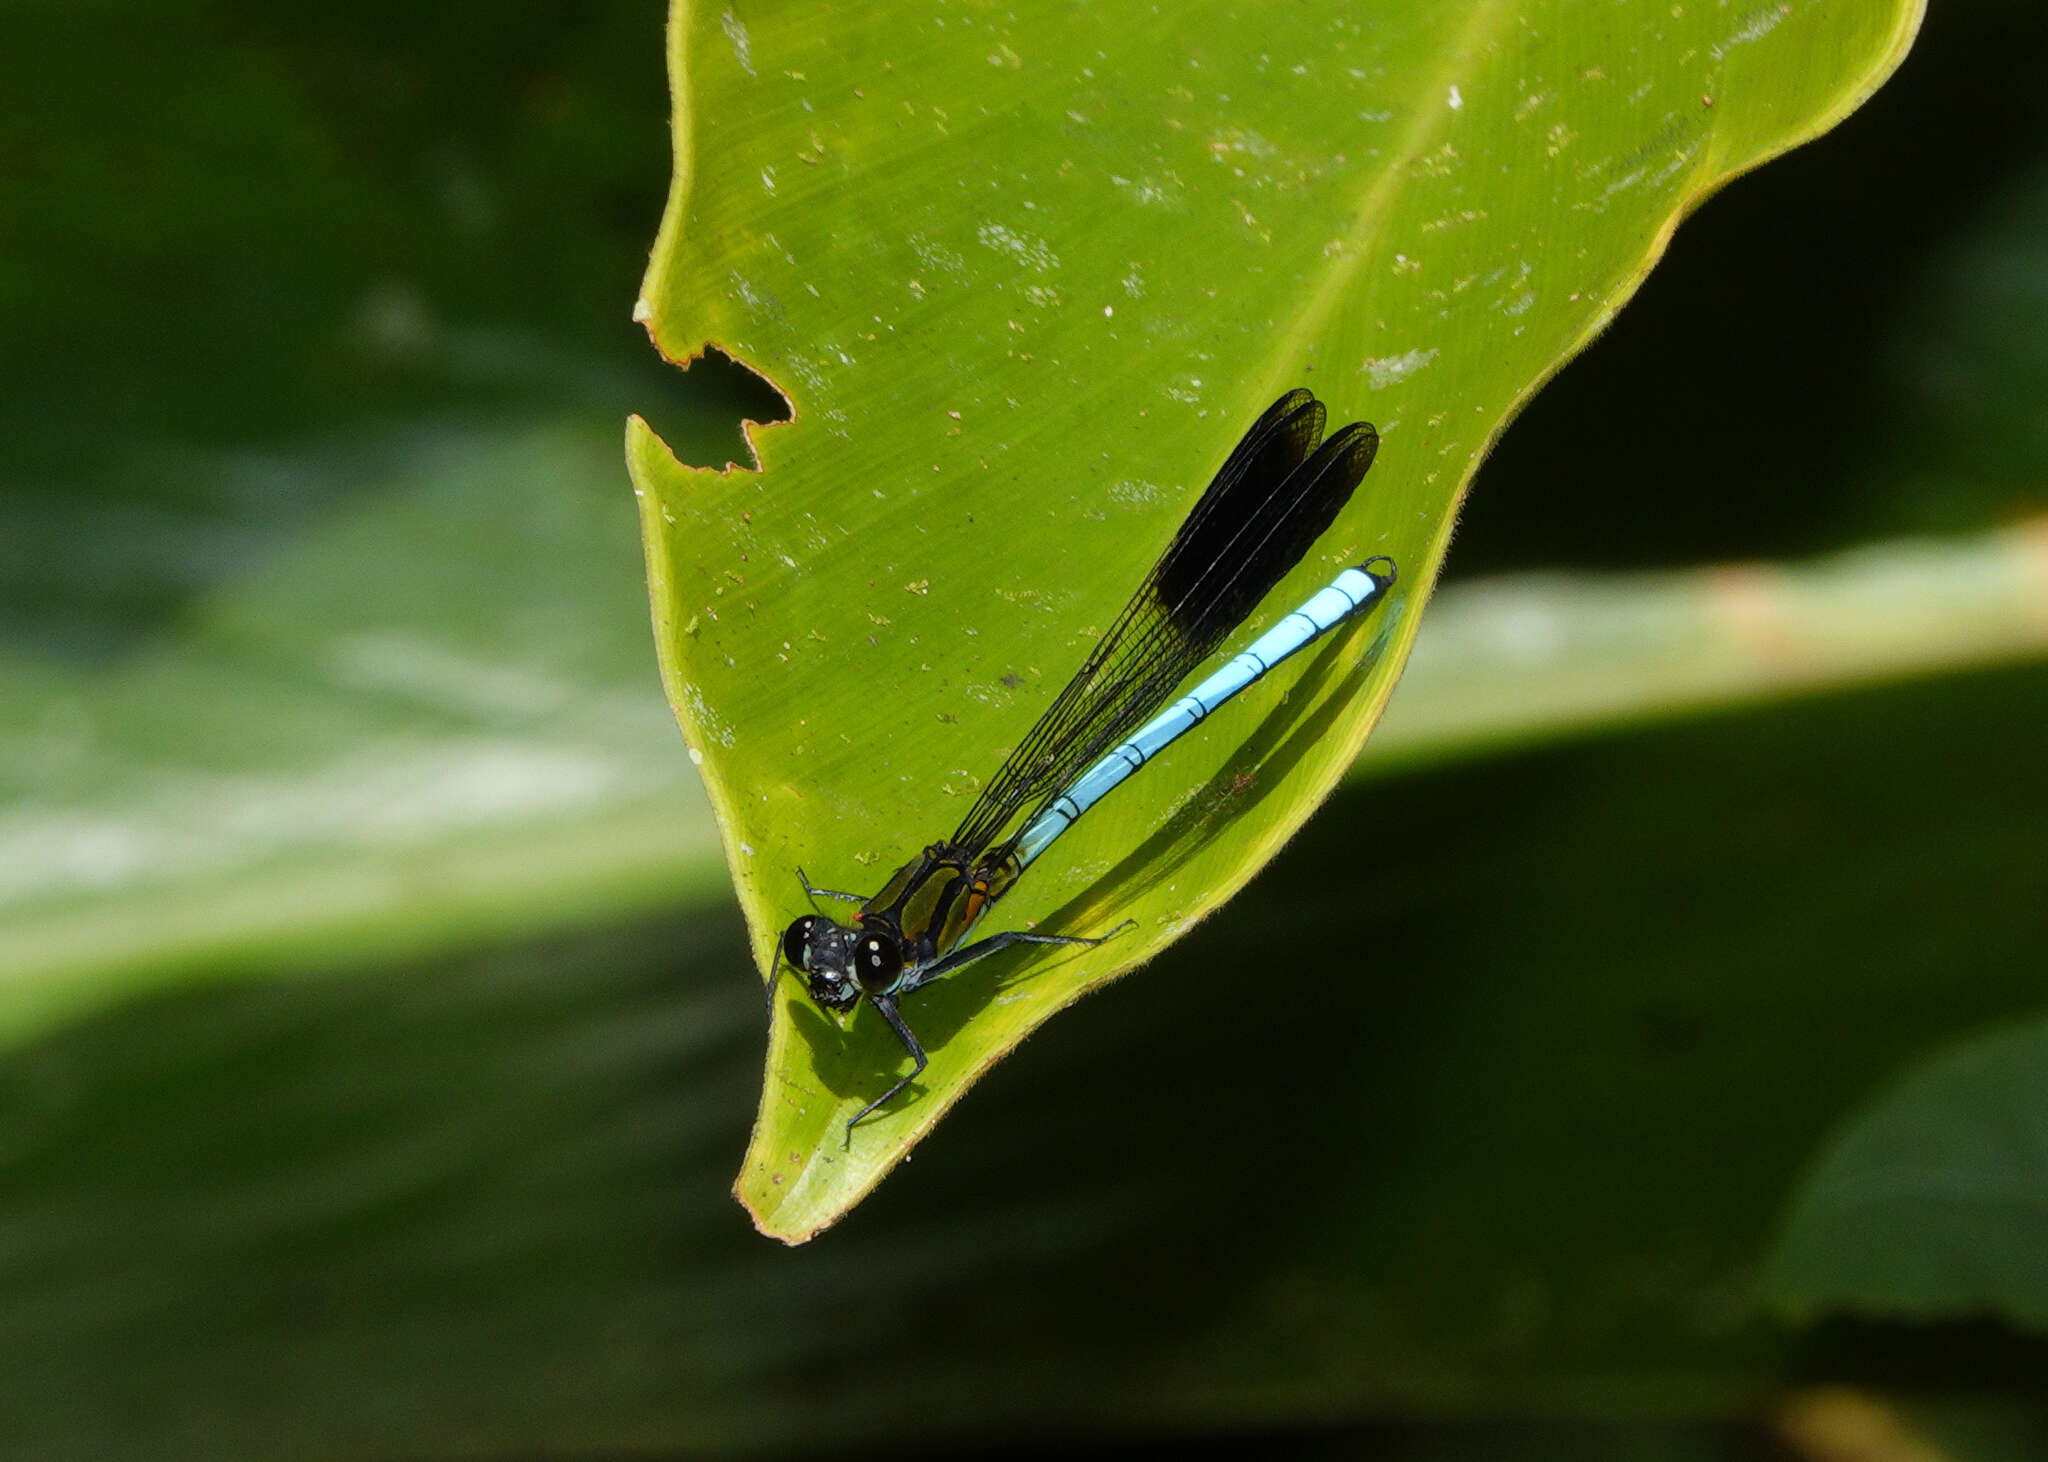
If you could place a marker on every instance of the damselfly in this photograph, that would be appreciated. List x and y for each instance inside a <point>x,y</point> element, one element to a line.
<point>1281,487</point>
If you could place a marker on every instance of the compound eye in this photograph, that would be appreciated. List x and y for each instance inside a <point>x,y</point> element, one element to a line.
<point>876,963</point>
<point>796,942</point>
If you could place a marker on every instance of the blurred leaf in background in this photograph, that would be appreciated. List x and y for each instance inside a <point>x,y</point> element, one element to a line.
<point>1934,1202</point>
<point>381,1041</point>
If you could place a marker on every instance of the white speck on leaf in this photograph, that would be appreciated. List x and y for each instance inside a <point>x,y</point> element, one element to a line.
<point>1385,370</point>
<point>1147,191</point>
<point>748,295</point>
<point>1757,25</point>
<point>936,258</point>
<point>1032,253</point>
<point>736,33</point>
<point>708,721</point>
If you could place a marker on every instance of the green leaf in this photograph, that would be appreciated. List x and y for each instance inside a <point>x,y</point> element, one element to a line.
<point>1932,1201</point>
<point>1024,274</point>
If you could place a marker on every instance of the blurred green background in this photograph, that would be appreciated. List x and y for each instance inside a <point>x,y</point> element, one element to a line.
<point>382,1039</point>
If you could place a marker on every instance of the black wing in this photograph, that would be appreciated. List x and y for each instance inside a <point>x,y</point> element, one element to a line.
<point>1273,498</point>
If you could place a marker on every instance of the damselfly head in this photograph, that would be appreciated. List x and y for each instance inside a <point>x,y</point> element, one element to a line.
<point>820,949</point>
<point>842,964</point>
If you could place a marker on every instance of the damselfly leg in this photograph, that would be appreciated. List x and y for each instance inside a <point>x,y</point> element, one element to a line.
<point>831,893</point>
<point>995,944</point>
<point>981,949</point>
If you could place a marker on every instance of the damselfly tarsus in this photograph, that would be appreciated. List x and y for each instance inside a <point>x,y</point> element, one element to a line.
<point>1281,487</point>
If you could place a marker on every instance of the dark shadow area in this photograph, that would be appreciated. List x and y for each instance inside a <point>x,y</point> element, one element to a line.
<point>857,1056</point>
<point>1957,1356</point>
<point>1534,1439</point>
